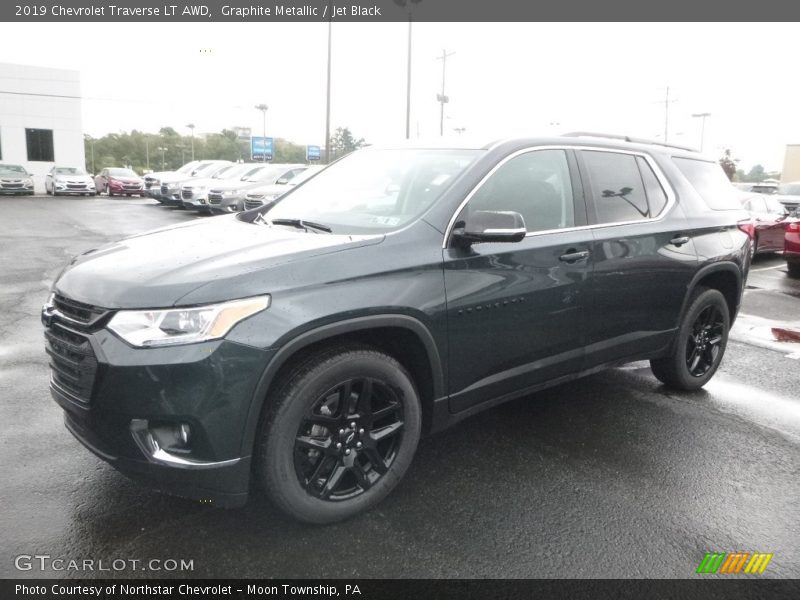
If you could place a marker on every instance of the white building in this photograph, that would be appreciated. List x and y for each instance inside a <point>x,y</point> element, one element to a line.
<point>40,119</point>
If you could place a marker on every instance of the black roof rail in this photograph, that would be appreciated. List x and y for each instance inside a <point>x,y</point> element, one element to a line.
<point>626,138</point>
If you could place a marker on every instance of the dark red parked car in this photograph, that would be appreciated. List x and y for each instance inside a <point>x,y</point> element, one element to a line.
<point>119,182</point>
<point>791,244</point>
<point>771,219</point>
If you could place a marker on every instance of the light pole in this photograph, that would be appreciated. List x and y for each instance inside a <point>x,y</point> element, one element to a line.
<point>409,6</point>
<point>263,108</point>
<point>191,128</point>
<point>702,127</point>
<point>328,86</point>
<point>442,98</point>
<point>162,150</point>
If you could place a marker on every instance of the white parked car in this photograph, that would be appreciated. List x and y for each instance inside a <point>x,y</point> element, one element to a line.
<point>69,180</point>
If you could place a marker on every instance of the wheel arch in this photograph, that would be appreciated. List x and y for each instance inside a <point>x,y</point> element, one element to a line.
<point>726,277</point>
<point>403,337</point>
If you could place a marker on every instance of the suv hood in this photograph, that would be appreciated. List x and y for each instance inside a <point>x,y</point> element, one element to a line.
<point>156,269</point>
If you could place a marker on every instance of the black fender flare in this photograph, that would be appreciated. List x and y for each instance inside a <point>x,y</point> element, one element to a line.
<point>718,267</point>
<point>289,349</point>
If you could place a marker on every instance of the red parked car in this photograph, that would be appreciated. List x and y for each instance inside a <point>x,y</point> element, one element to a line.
<point>791,244</point>
<point>120,182</point>
<point>771,219</point>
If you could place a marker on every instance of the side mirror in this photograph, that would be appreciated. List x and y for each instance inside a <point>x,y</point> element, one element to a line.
<point>282,181</point>
<point>492,226</point>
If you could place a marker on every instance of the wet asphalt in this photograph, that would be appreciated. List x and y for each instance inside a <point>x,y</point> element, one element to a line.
<point>609,476</point>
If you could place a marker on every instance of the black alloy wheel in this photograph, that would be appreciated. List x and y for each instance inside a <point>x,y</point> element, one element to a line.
<point>340,429</point>
<point>349,439</point>
<point>703,345</point>
<point>699,344</point>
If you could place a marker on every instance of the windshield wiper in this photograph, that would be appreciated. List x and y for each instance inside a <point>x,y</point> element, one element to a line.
<point>299,223</point>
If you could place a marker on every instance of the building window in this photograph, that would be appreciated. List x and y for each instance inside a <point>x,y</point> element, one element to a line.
<point>40,144</point>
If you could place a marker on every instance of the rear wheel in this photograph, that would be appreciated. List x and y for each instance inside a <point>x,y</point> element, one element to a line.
<point>700,343</point>
<point>341,431</point>
<point>794,269</point>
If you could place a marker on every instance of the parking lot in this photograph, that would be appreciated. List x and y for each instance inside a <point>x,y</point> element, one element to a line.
<point>609,476</point>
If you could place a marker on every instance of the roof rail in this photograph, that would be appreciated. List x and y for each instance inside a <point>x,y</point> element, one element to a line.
<point>626,138</point>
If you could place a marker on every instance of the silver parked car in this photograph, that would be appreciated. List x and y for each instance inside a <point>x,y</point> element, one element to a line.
<point>230,197</point>
<point>69,180</point>
<point>194,193</point>
<point>171,186</point>
<point>152,181</point>
<point>15,179</point>
<point>264,194</point>
<point>789,195</point>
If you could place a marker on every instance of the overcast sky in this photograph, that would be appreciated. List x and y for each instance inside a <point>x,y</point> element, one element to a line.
<point>503,79</point>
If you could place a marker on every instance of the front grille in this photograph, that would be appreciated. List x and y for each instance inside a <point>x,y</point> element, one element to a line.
<point>215,197</point>
<point>76,186</point>
<point>164,189</point>
<point>186,193</point>
<point>132,186</point>
<point>9,185</point>
<point>73,363</point>
<point>85,314</point>
<point>149,182</point>
<point>251,203</point>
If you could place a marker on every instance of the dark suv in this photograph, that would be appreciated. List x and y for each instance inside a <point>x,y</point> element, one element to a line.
<point>307,345</point>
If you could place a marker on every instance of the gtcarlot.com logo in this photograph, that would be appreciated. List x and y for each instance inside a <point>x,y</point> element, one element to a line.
<point>734,563</point>
<point>45,562</point>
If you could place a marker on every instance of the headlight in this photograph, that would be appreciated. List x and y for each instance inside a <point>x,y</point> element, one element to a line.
<point>147,328</point>
<point>28,183</point>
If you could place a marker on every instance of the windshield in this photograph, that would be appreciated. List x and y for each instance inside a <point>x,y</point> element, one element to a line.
<point>306,174</point>
<point>12,170</point>
<point>122,173</point>
<point>267,174</point>
<point>208,169</point>
<point>374,191</point>
<point>187,168</point>
<point>790,189</point>
<point>70,171</point>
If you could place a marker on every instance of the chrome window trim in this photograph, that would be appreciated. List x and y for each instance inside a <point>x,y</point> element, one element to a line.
<point>662,179</point>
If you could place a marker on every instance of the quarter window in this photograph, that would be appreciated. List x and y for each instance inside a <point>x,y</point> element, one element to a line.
<point>536,185</point>
<point>40,144</point>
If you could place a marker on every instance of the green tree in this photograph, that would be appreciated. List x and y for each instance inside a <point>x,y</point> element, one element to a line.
<point>343,142</point>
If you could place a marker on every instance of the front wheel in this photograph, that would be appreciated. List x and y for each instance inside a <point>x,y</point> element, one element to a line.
<point>340,432</point>
<point>700,343</point>
<point>793,268</point>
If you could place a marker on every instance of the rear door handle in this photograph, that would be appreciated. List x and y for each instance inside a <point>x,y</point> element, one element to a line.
<point>573,255</point>
<point>679,240</point>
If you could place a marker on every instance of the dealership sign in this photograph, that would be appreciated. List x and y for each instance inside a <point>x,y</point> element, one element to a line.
<point>312,152</point>
<point>260,146</point>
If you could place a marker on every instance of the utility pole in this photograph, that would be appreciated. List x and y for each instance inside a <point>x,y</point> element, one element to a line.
<point>702,127</point>
<point>328,91</point>
<point>667,102</point>
<point>191,127</point>
<point>147,152</point>
<point>442,98</point>
<point>409,6</point>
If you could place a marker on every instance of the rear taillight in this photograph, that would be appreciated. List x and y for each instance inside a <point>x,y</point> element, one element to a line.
<point>793,226</point>
<point>749,227</point>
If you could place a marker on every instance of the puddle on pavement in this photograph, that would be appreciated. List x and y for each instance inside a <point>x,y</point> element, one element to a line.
<point>765,408</point>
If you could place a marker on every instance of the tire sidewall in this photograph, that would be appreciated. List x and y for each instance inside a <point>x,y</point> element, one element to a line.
<point>277,456</point>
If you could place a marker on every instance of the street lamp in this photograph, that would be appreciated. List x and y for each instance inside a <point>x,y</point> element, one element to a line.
<point>162,150</point>
<point>263,108</point>
<point>191,127</point>
<point>409,5</point>
<point>702,127</point>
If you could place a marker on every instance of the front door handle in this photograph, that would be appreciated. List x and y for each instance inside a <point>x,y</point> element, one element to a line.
<point>573,255</point>
<point>679,240</point>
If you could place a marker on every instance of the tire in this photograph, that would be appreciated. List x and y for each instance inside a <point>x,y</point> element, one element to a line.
<point>298,462</point>
<point>699,345</point>
<point>108,190</point>
<point>793,268</point>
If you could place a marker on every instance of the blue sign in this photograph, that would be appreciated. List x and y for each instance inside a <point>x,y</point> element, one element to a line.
<point>312,153</point>
<point>259,146</point>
